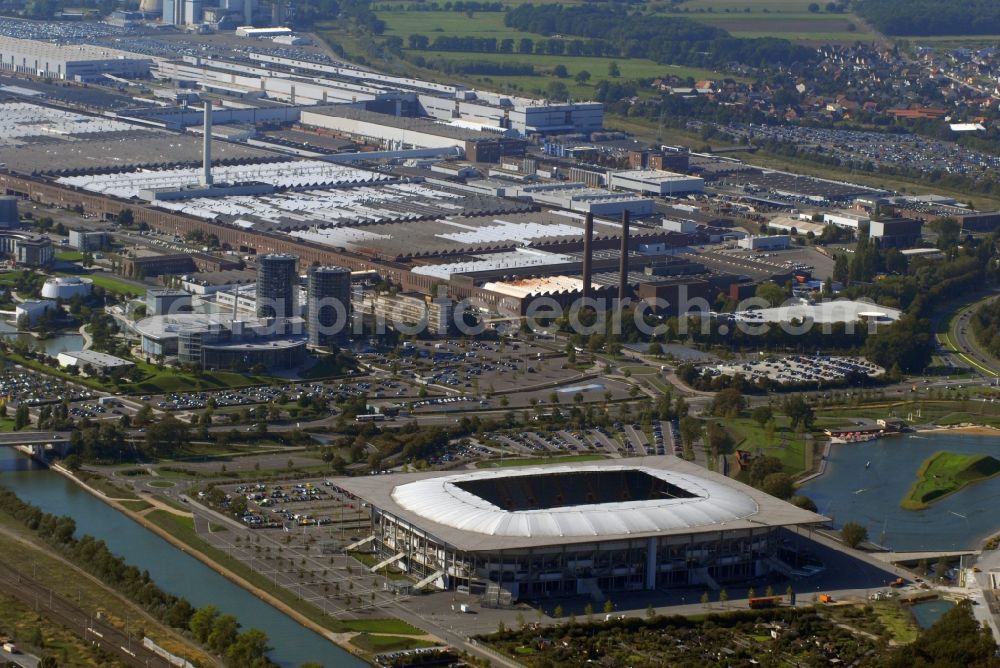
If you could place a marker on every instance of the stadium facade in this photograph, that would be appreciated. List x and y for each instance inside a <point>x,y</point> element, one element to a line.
<point>578,529</point>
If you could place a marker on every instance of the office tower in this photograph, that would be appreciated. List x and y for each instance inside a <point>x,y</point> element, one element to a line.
<point>328,305</point>
<point>277,286</point>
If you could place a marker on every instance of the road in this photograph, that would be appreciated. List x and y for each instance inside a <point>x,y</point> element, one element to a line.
<point>960,341</point>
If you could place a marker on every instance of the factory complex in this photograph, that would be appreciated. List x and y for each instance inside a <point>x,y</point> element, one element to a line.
<point>331,197</point>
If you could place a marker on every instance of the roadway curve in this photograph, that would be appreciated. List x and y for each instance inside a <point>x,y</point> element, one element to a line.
<point>960,342</point>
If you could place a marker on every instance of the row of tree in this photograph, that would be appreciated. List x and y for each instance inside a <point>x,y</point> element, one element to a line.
<point>662,39</point>
<point>220,633</point>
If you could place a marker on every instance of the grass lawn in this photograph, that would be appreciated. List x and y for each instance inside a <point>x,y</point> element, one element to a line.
<point>379,644</point>
<point>791,449</point>
<point>69,256</point>
<point>639,370</point>
<point>945,473</point>
<point>170,379</point>
<point>136,506</point>
<point>108,282</point>
<point>897,621</point>
<point>631,68</point>
<point>105,486</point>
<point>388,625</point>
<point>538,461</point>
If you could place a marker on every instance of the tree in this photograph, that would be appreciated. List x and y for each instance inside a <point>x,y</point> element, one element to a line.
<point>704,598</point>
<point>813,7</point>
<point>609,607</point>
<point>804,502</point>
<point>779,485</point>
<point>582,77</point>
<point>202,622</point>
<point>948,231</point>
<point>772,293</point>
<point>799,412</point>
<point>613,69</point>
<point>853,534</point>
<point>723,597</point>
<point>727,403</point>
<point>560,71</point>
<point>248,648</point>
<point>762,415</point>
<point>22,418</point>
<point>557,91</point>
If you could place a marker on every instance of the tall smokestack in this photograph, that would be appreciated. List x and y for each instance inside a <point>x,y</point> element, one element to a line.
<point>623,263</point>
<point>588,255</point>
<point>206,151</point>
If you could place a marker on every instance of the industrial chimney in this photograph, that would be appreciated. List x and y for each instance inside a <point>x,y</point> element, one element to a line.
<point>623,262</point>
<point>588,255</point>
<point>206,151</point>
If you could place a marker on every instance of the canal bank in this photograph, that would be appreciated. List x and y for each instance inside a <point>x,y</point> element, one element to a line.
<point>340,639</point>
<point>174,569</point>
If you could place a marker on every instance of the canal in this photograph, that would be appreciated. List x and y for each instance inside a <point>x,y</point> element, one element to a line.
<point>865,483</point>
<point>172,569</point>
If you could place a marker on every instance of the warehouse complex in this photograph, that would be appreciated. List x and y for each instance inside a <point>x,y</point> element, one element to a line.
<point>76,62</point>
<point>584,528</point>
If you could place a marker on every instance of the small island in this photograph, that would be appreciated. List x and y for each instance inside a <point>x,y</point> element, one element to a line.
<point>945,473</point>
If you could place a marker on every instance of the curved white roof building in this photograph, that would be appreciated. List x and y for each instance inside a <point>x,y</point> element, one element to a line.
<point>681,502</point>
<point>587,527</point>
<point>66,287</point>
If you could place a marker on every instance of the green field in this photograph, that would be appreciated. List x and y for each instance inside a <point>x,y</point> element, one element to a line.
<point>388,625</point>
<point>136,506</point>
<point>108,282</point>
<point>379,644</point>
<point>793,451</point>
<point>945,473</point>
<point>537,461</point>
<point>69,256</point>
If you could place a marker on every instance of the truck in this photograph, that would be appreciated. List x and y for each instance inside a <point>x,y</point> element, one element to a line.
<point>465,607</point>
<point>825,598</point>
<point>9,647</point>
<point>760,602</point>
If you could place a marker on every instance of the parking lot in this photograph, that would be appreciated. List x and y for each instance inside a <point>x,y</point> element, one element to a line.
<point>800,368</point>
<point>22,385</point>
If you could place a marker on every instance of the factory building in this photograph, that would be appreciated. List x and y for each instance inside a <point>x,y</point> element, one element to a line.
<point>8,212</point>
<point>215,342</point>
<point>165,301</point>
<point>412,312</point>
<point>328,309</point>
<point>27,248</point>
<point>277,286</point>
<point>33,309</point>
<point>895,232</point>
<point>76,62</point>
<point>89,241</point>
<point>656,182</point>
<point>101,363</point>
<point>772,242</point>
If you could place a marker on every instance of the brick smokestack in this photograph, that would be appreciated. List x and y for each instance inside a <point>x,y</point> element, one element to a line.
<point>623,263</point>
<point>588,254</point>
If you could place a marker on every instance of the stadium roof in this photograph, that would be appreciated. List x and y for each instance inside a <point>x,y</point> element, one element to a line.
<point>573,503</point>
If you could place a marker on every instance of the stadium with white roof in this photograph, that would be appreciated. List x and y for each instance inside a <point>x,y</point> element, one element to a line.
<point>587,528</point>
